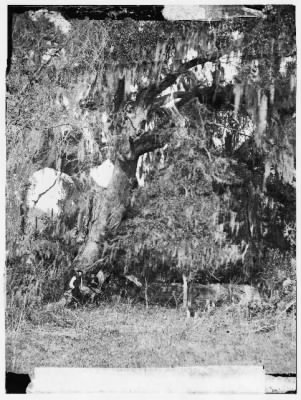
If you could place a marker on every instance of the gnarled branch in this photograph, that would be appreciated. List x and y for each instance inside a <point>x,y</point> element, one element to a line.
<point>152,140</point>
<point>154,90</point>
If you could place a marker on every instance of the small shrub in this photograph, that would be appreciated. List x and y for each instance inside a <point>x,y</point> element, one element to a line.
<point>278,269</point>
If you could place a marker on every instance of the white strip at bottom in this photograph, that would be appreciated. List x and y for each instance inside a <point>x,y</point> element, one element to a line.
<point>185,380</point>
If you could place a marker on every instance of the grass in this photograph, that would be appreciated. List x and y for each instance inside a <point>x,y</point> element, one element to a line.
<point>132,336</point>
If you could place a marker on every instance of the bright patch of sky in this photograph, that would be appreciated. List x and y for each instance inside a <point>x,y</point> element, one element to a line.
<point>140,173</point>
<point>50,53</point>
<point>174,12</point>
<point>103,173</point>
<point>283,65</point>
<point>47,188</point>
<point>143,168</point>
<point>191,54</point>
<point>89,139</point>
<point>237,35</point>
<point>231,64</point>
<point>54,17</point>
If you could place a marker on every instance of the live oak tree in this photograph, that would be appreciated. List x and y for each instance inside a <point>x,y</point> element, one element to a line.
<point>122,89</point>
<point>153,118</point>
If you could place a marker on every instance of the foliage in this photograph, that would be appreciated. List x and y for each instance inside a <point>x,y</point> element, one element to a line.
<point>224,194</point>
<point>279,267</point>
<point>175,220</point>
<point>40,264</point>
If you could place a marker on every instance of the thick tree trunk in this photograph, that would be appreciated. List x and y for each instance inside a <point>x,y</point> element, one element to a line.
<point>108,212</point>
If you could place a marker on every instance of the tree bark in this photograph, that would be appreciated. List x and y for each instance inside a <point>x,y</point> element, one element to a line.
<point>108,212</point>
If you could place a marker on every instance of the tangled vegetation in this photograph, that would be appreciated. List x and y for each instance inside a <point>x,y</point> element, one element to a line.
<point>218,150</point>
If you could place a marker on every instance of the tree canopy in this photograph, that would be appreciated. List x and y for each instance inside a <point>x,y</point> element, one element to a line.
<point>207,108</point>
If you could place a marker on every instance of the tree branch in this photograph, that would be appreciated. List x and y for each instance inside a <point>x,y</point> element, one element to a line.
<point>154,90</point>
<point>215,96</point>
<point>152,140</point>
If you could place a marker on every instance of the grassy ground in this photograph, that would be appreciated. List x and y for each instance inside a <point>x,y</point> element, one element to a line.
<point>133,336</point>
